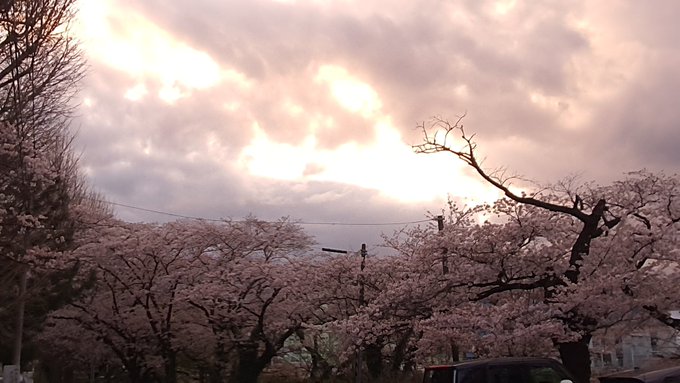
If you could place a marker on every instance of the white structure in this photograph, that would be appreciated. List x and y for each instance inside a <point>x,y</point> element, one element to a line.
<point>622,349</point>
<point>10,374</point>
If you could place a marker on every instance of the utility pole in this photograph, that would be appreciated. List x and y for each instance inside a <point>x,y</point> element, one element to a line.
<point>455,351</point>
<point>445,261</point>
<point>360,375</point>
<point>361,276</point>
<point>359,359</point>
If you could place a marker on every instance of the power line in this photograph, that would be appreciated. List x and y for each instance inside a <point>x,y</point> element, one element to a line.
<point>365,223</point>
<point>158,211</point>
<point>161,212</point>
<point>312,223</point>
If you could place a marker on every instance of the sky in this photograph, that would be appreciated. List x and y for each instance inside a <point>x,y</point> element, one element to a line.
<point>309,108</point>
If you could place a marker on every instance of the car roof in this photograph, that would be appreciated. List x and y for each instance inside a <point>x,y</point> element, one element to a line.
<point>643,375</point>
<point>508,360</point>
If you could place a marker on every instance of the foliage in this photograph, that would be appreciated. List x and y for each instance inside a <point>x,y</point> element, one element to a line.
<point>221,296</point>
<point>208,292</point>
<point>39,185</point>
<point>563,245</point>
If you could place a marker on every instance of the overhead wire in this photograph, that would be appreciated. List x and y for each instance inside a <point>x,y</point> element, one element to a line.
<point>316,223</point>
<point>299,222</point>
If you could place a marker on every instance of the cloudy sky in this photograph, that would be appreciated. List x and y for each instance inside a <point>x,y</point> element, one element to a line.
<point>309,108</point>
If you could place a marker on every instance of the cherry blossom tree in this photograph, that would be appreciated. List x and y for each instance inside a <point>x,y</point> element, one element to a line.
<point>42,199</point>
<point>339,281</point>
<point>68,353</point>
<point>253,294</point>
<point>331,286</point>
<point>374,328</point>
<point>221,295</point>
<point>133,310</point>
<point>650,209</point>
<point>40,67</point>
<point>561,247</point>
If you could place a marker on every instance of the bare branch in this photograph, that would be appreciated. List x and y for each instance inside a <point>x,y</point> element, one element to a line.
<point>467,154</point>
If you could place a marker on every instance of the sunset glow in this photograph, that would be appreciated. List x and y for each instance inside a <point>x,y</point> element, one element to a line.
<point>129,43</point>
<point>190,188</point>
<point>170,70</point>
<point>378,166</point>
<point>352,94</point>
<point>309,101</point>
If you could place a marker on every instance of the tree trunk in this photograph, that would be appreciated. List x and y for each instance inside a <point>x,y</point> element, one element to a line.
<point>399,354</point>
<point>19,328</point>
<point>170,366</point>
<point>216,371</point>
<point>249,366</point>
<point>320,369</point>
<point>135,376</point>
<point>576,358</point>
<point>136,373</point>
<point>455,352</point>
<point>374,363</point>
